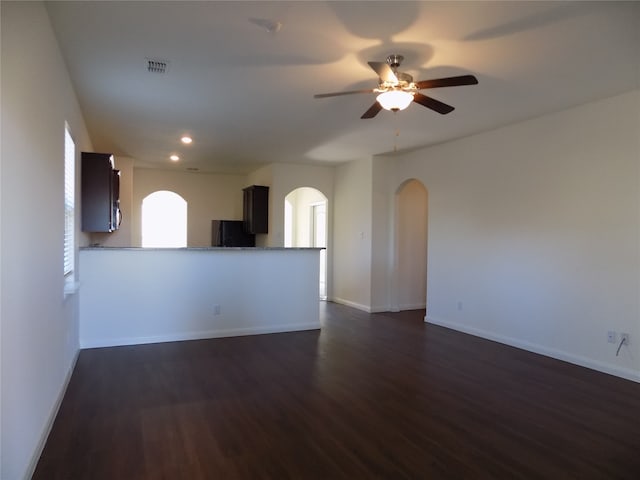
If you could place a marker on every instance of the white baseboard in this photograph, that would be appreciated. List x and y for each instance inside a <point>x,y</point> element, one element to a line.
<point>177,337</point>
<point>349,303</point>
<point>622,372</point>
<point>52,417</point>
<point>413,306</point>
<point>359,306</point>
<point>378,308</point>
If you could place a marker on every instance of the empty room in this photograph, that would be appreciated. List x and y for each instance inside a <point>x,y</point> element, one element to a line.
<point>319,240</point>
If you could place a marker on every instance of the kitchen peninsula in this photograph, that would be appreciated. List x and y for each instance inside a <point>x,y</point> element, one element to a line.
<point>148,295</point>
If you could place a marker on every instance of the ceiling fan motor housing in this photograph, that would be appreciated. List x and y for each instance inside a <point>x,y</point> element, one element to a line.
<point>394,60</point>
<point>403,80</point>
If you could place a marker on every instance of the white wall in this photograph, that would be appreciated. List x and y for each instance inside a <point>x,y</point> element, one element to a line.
<point>170,294</point>
<point>352,228</point>
<point>398,238</point>
<point>411,245</point>
<point>282,179</point>
<point>534,229</point>
<point>384,274</point>
<point>302,200</point>
<point>39,340</point>
<point>209,197</point>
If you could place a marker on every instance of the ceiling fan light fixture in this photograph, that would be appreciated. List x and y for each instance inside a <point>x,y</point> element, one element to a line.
<point>395,100</point>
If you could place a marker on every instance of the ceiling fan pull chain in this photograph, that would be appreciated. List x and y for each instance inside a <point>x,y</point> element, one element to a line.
<point>397,132</point>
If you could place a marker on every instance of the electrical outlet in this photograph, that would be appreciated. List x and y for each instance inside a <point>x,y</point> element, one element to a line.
<point>216,309</point>
<point>612,336</point>
<point>624,337</point>
<point>459,305</point>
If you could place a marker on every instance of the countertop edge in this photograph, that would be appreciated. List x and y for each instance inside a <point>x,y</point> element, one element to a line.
<point>197,249</point>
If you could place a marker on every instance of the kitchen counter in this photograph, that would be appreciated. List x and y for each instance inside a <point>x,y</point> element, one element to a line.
<point>147,295</point>
<point>95,247</point>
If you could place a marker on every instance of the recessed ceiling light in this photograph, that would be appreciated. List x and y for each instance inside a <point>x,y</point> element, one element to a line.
<point>174,158</point>
<point>186,139</point>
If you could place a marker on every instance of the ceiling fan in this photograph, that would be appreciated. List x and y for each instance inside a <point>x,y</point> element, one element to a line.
<point>396,90</point>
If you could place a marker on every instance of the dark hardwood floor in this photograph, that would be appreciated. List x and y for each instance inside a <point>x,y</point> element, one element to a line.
<point>382,396</point>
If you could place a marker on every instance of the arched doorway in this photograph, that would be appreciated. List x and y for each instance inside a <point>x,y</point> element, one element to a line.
<point>410,265</point>
<point>164,220</point>
<point>305,225</point>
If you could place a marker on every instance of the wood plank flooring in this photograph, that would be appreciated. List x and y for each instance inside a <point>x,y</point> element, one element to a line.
<point>381,396</point>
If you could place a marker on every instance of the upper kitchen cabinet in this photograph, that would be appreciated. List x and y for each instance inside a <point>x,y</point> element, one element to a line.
<point>100,193</point>
<point>256,209</point>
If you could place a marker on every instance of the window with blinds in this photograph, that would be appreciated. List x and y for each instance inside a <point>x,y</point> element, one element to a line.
<point>69,201</point>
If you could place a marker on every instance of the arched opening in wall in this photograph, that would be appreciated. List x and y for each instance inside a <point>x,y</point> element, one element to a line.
<point>164,220</point>
<point>410,265</point>
<point>305,225</point>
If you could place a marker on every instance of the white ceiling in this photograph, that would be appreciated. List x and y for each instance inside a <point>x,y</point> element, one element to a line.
<point>245,94</point>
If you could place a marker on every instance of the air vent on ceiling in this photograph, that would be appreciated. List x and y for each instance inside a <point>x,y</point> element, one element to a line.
<point>155,65</point>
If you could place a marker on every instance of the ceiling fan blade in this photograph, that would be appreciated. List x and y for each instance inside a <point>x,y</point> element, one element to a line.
<point>448,82</point>
<point>337,94</point>
<point>373,111</point>
<point>384,71</point>
<point>432,103</point>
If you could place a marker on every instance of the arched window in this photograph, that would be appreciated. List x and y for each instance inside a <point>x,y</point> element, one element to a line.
<point>164,220</point>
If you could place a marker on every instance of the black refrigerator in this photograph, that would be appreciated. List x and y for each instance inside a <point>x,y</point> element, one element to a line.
<point>230,233</point>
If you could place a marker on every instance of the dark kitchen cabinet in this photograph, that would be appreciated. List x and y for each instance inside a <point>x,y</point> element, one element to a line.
<point>100,193</point>
<point>256,209</point>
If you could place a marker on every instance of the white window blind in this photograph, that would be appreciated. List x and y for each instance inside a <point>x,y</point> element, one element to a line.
<point>69,201</point>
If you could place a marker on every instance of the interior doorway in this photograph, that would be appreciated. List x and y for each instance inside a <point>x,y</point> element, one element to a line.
<point>305,225</point>
<point>409,291</point>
